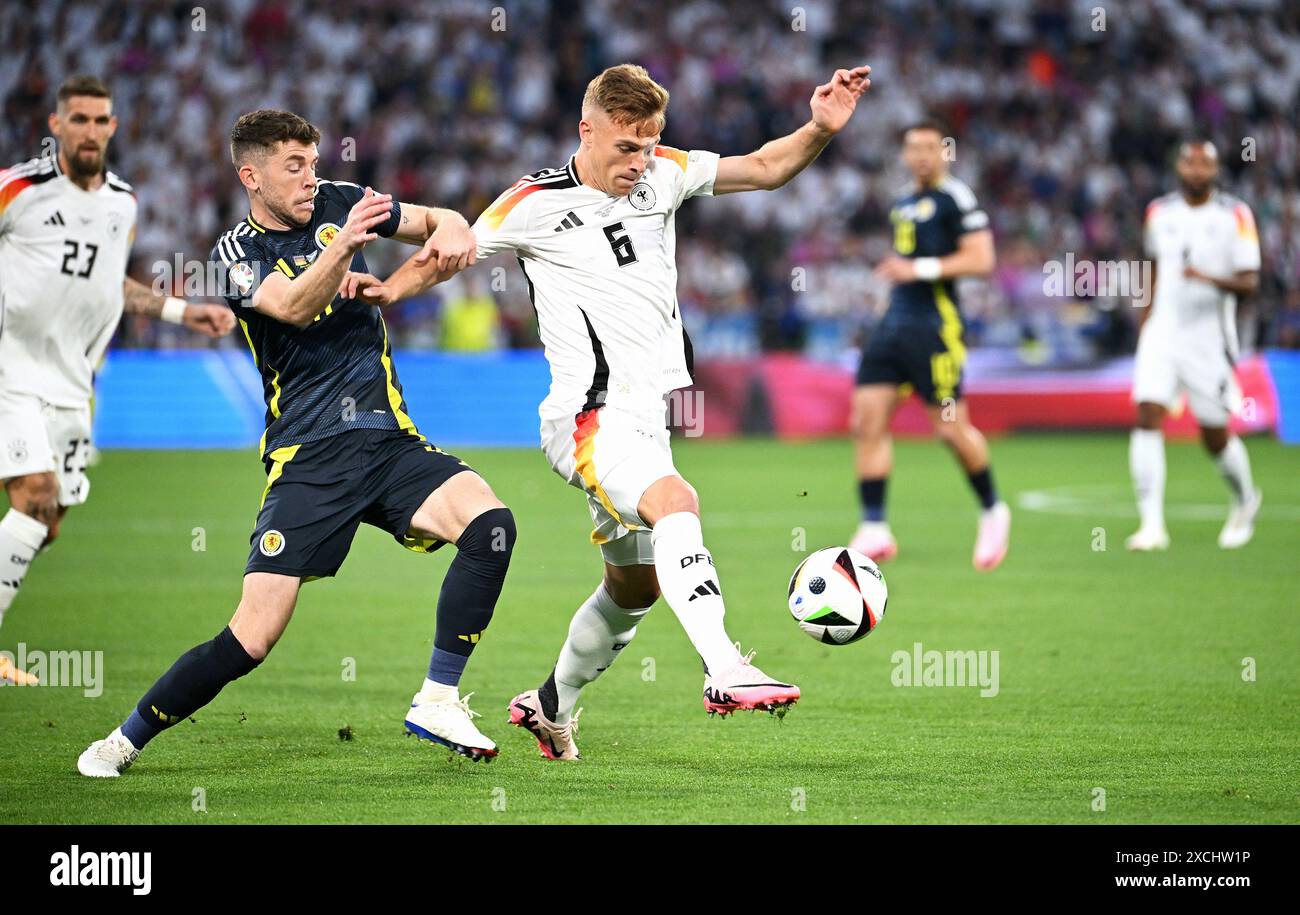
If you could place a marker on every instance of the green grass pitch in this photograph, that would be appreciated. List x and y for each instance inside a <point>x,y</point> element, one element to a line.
<point>1116,671</point>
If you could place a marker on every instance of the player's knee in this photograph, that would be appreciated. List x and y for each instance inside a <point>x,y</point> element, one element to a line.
<point>670,496</point>
<point>1214,439</point>
<point>950,431</point>
<point>633,596</point>
<point>256,640</point>
<point>490,537</point>
<point>37,497</point>
<point>1150,416</point>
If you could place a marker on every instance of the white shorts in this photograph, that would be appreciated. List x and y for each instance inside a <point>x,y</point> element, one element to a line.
<point>613,456</point>
<point>39,437</point>
<point>1165,367</point>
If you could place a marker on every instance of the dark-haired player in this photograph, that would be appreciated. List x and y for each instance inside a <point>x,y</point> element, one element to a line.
<point>339,447</point>
<point>940,234</point>
<point>1206,253</point>
<point>66,227</point>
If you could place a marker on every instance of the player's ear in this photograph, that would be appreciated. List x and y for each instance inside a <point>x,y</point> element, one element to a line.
<point>248,176</point>
<point>53,122</point>
<point>585,131</point>
<point>112,125</point>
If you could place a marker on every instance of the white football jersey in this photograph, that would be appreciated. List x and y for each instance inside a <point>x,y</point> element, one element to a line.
<point>63,256</point>
<point>602,275</point>
<point>1219,239</point>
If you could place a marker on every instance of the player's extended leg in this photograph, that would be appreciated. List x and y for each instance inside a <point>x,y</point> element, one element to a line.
<point>198,675</point>
<point>686,574</point>
<point>1230,456</point>
<point>873,452</point>
<point>1146,461</point>
<point>953,427</point>
<point>466,512</point>
<point>31,523</point>
<point>598,633</point>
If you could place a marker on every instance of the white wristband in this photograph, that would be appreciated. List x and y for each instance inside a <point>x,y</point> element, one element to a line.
<point>173,310</point>
<point>927,268</point>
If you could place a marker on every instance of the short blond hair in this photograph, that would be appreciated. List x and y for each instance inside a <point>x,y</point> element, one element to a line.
<point>629,95</point>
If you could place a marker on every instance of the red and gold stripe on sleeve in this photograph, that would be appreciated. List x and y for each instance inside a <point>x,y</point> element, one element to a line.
<point>11,186</point>
<point>677,155</point>
<point>501,207</point>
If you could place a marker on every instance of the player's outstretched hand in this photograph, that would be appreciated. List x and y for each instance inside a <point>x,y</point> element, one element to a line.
<point>833,102</point>
<point>364,217</point>
<point>213,320</point>
<point>452,245</point>
<point>364,286</point>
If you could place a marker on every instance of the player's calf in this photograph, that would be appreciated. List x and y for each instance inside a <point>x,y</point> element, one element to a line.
<point>191,683</point>
<point>466,603</point>
<point>29,525</point>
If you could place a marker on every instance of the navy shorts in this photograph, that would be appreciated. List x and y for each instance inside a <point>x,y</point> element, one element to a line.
<point>318,494</point>
<point>929,357</point>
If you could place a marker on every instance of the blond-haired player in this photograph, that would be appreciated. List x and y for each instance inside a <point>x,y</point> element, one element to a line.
<point>66,226</point>
<point>595,240</point>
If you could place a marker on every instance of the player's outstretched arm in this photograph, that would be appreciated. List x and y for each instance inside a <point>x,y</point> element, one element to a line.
<point>213,320</point>
<point>776,162</point>
<point>299,300</point>
<point>412,278</point>
<point>444,235</point>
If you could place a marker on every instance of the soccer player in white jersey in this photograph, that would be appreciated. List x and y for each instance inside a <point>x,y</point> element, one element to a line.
<point>1205,250</point>
<point>595,240</point>
<point>66,226</point>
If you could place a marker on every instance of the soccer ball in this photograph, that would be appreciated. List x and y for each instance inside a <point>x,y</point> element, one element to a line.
<point>837,595</point>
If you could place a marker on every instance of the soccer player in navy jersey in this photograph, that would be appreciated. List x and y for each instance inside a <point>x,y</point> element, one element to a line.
<point>340,448</point>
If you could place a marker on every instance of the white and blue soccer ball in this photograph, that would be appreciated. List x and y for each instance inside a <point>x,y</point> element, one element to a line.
<point>837,595</point>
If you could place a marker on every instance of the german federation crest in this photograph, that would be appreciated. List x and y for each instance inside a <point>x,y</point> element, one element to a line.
<point>642,197</point>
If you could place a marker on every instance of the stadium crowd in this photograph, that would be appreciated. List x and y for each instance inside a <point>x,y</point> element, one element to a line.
<point>1065,115</point>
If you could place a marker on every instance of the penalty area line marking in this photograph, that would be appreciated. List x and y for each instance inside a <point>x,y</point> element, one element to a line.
<point>1112,501</point>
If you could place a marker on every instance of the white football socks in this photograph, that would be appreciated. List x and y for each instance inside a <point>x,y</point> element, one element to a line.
<point>1146,461</point>
<point>1234,466</point>
<point>21,537</point>
<point>600,630</point>
<point>690,586</point>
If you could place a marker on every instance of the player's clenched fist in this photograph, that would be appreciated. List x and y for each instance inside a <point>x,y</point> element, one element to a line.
<point>364,217</point>
<point>213,320</point>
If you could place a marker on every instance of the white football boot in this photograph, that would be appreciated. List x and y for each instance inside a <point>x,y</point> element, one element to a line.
<point>875,541</point>
<point>107,758</point>
<point>1148,538</point>
<point>1240,526</point>
<point>993,538</point>
<point>449,722</point>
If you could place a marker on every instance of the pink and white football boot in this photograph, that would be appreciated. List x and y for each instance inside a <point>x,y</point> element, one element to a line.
<point>994,537</point>
<point>746,688</point>
<point>556,741</point>
<point>875,541</point>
